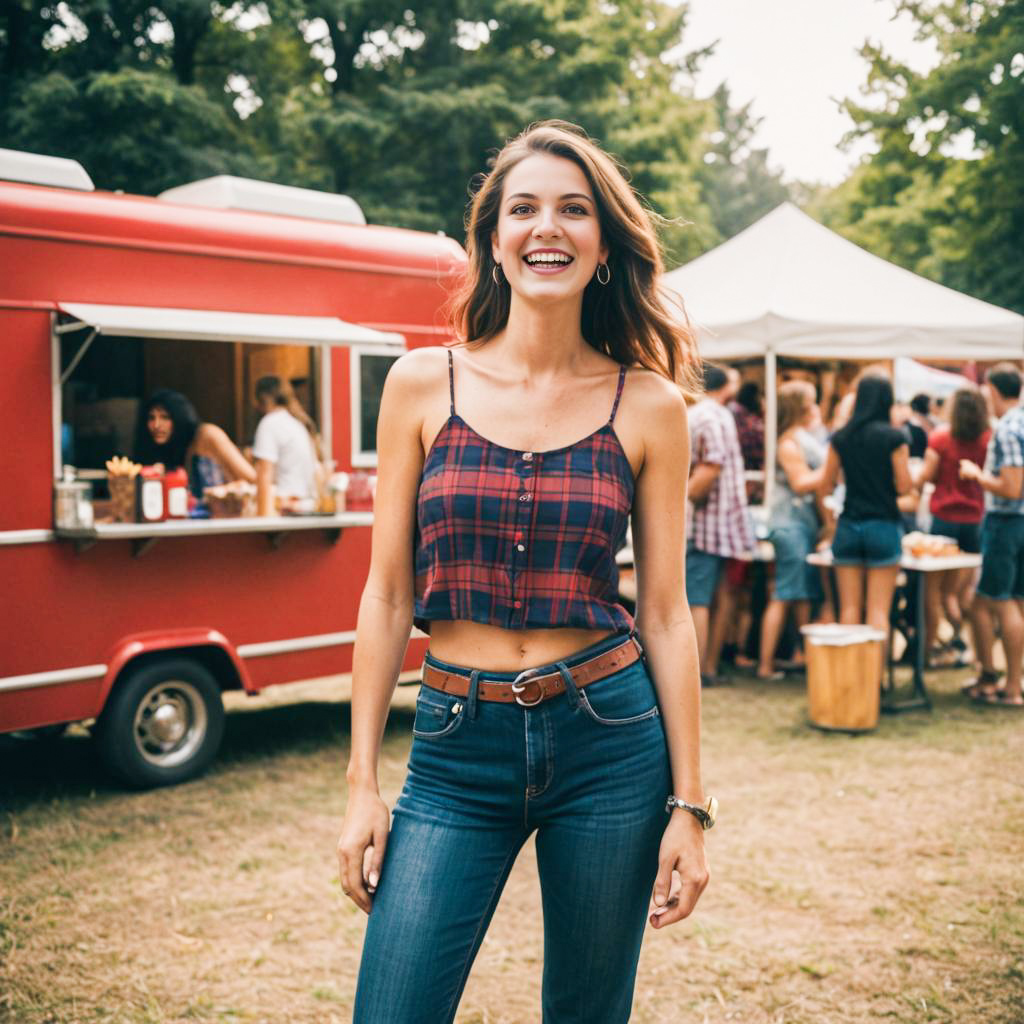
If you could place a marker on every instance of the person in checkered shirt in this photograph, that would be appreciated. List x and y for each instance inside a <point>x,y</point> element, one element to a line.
<point>1001,587</point>
<point>719,525</point>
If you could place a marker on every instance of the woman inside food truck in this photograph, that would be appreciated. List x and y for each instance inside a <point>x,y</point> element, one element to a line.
<point>169,431</point>
<point>284,449</point>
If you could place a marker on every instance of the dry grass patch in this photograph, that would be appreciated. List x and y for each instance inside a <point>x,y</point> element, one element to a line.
<point>854,878</point>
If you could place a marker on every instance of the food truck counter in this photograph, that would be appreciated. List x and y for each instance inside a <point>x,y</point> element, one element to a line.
<point>146,534</point>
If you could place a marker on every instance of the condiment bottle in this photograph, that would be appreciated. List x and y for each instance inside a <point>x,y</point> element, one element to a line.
<point>359,497</point>
<point>176,494</point>
<point>151,495</point>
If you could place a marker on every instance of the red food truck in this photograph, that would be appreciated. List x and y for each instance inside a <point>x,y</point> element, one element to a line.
<point>105,298</point>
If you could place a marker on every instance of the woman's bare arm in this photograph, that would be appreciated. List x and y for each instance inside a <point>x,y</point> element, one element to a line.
<point>666,629</point>
<point>901,469</point>
<point>212,442</point>
<point>385,609</point>
<point>385,618</point>
<point>830,477</point>
<point>800,477</point>
<point>928,471</point>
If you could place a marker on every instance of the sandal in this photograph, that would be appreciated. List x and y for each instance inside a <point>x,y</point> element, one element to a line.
<point>775,676</point>
<point>1000,700</point>
<point>945,656</point>
<point>984,684</point>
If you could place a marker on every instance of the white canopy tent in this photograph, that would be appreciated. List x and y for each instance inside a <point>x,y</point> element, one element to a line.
<point>909,378</point>
<point>789,286</point>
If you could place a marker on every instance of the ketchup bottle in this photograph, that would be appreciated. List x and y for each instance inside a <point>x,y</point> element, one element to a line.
<point>176,494</point>
<point>151,495</point>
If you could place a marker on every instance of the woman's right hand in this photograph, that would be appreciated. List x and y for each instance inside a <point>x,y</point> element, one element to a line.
<point>969,470</point>
<point>364,837</point>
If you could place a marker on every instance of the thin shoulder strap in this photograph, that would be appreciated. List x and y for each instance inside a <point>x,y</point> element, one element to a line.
<point>618,393</point>
<point>451,381</point>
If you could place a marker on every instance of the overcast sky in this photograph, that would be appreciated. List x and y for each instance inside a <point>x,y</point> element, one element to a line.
<point>796,59</point>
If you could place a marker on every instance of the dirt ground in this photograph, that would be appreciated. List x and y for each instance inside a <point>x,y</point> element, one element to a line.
<point>854,878</point>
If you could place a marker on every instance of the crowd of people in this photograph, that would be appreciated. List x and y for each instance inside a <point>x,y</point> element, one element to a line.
<point>856,485</point>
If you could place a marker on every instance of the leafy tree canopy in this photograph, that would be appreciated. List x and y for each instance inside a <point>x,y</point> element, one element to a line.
<point>942,193</point>
<point>398,104</point>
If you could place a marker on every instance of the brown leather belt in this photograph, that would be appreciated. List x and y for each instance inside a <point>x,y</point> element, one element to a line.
<point>531,686</point>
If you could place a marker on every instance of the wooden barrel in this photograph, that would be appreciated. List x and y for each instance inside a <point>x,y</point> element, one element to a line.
<point>844,676</point>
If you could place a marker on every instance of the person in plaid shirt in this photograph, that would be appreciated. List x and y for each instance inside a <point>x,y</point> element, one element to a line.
<point>510,465</point>
<point>746,410</point>
<point>1001,587</point>
<point>720,526</point>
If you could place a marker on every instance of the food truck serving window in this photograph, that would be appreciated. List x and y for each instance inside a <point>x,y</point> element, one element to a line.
<point>109,362</point>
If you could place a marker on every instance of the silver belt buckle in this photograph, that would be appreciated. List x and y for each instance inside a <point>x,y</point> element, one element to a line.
<point>521,682</point>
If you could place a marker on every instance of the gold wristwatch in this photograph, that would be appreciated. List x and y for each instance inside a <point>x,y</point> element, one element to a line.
<point>705,815</point>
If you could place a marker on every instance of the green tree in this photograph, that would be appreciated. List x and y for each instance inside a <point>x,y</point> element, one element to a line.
<point>399,104</point>
<point>942,194</point>
<point>735,178</point>
<point>135,130</point>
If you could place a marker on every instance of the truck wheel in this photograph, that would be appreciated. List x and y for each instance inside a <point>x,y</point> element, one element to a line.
<point>162,724</point>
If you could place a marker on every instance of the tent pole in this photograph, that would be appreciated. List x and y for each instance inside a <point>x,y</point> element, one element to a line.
<point>770,423</point>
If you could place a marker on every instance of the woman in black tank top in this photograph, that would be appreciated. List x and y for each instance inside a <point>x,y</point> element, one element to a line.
<point>508,470</point>
<point>866,548</point>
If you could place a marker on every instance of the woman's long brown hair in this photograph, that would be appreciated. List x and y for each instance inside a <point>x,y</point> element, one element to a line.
<point>795,398</point>
<point>628,319</point>
<point>969,417</point>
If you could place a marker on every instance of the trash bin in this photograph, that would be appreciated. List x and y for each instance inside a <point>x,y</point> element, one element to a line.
<point>844,676</point>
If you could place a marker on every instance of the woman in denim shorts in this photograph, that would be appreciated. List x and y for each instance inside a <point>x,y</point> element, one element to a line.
<point>874,458</point>
<point>794,520</point>
<point>509,468</point>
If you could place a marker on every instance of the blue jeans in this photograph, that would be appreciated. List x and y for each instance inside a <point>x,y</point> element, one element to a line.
<point>967,535</point>
<point>795,580</point>
<point>1002,557</point>
<point>874,543</point>
<point>589,771</point>
<point>702,574</point>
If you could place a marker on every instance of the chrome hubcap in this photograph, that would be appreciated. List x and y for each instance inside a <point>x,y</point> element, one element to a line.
<point>170,723</point>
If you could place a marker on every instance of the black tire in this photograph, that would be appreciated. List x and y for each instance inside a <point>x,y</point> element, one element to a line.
<point>162,724</point>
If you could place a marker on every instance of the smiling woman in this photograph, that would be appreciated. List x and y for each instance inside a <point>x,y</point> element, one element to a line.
<point>540,709</point>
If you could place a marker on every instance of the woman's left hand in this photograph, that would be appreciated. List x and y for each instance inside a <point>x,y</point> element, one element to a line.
<point>682,870</point>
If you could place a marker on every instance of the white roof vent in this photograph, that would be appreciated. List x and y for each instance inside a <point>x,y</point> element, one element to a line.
<point>36,169</point>
<point>225,192</point>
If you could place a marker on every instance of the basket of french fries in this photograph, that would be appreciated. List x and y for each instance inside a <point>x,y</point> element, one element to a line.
<point>232,500</point>
<point>122,479</point>
<point>929,545</point>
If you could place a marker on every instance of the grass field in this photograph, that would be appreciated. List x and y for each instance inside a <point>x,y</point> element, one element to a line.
<point>878,877</point>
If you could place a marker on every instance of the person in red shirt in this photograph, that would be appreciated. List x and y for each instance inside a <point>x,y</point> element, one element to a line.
<point>957,507</point>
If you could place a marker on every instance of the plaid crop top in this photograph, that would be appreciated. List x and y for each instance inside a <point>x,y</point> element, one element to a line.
<point>522,540</point>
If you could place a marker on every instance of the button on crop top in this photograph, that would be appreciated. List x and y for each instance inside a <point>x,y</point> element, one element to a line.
<point>522,540</point>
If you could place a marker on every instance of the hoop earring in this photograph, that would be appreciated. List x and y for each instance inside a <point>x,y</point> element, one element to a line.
<point>495,270</point>
<point>607,273</point>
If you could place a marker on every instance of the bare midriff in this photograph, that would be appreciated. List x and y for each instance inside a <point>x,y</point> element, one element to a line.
<point>490,648</point>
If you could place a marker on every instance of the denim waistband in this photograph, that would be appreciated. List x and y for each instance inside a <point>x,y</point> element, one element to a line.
<point>607,644</point>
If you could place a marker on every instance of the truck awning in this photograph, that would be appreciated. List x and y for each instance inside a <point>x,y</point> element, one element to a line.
<point>216,325</point>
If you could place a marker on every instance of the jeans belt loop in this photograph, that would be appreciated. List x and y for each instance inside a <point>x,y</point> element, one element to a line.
<point>570,687</point>
<point>636,643</point>
<point>471,697</point>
